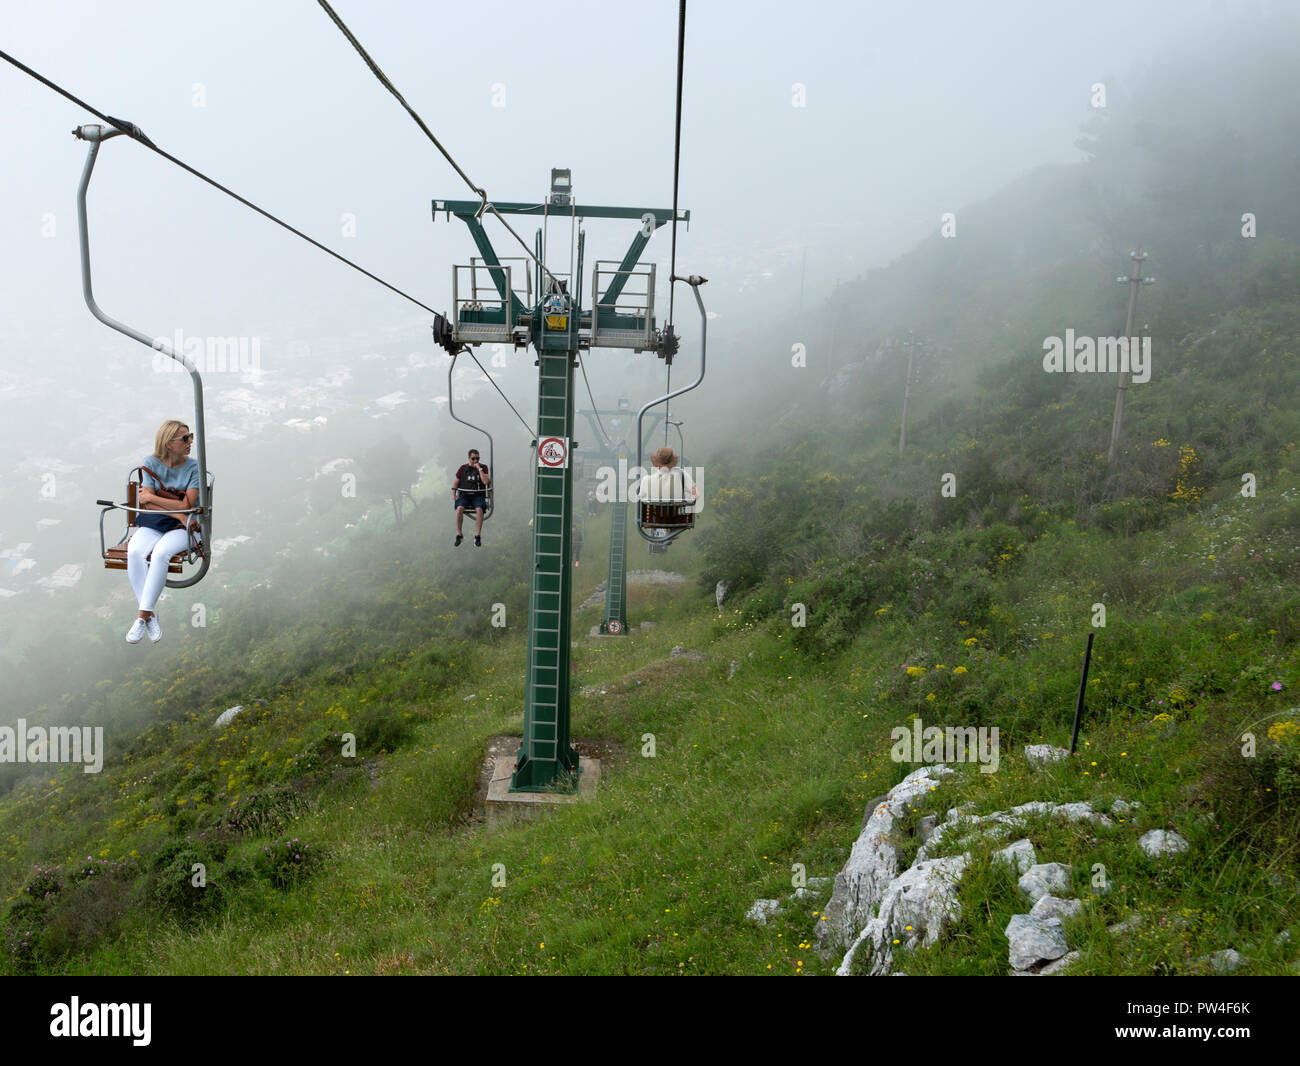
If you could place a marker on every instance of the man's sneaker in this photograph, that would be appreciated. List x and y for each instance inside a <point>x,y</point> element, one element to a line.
<point>459,538</point>
<point>136,631</point>
<point>153,628</point>
<point>478,541</point>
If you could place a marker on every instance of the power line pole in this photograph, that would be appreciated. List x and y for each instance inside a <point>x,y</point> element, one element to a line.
<point>1134,279</point>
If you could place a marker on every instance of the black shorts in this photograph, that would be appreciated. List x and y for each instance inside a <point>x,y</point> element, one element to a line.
<point>472,500</point>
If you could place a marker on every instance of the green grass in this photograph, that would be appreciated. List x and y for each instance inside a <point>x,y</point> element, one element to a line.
<point>752,774</point>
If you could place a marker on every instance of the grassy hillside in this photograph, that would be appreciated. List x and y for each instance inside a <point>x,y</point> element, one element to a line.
<point>387,868</point>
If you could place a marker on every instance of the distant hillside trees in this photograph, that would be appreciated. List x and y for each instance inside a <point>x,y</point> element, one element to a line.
<point>387,470</point>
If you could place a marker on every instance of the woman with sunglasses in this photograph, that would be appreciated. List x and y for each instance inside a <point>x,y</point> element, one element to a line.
<point>158,533</point>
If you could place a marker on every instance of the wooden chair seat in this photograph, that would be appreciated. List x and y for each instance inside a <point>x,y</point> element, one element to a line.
<point>115,559</point>
<point>679,515</point>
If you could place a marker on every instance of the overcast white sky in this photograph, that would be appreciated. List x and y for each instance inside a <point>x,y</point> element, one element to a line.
<point>911,109</point>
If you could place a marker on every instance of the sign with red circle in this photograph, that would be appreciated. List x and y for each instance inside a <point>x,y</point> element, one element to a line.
<point>553,453</point>
<point>614,626</point>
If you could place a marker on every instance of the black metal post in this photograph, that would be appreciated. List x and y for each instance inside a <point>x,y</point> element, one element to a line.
<point>1083,685</point>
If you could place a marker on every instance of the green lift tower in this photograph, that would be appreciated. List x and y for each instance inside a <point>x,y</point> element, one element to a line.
<point>614,622</point>
<point>491,304</point>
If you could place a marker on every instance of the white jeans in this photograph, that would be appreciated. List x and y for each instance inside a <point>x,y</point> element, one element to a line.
<point>148,578</point>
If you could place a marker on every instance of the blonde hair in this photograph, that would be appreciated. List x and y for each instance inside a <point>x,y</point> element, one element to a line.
<point>664,457</point>
<point>164,436</point>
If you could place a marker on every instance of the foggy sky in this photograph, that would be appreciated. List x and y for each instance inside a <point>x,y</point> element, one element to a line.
<point>911,110</point>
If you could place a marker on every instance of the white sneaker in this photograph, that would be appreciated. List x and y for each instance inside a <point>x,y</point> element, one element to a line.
<point>136,631</point>
<point>154,629</point>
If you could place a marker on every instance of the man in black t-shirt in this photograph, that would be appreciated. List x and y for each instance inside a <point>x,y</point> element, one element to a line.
<point>469,490</point>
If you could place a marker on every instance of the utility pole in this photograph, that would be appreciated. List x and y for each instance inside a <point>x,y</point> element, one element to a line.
<point>907,391</point>
<point>558,326</point>
<point>1134,279</point>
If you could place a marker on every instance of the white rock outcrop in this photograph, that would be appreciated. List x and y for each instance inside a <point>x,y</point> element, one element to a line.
<point>1047,878</point>
<point>1041,756</point>
<point>917,907</point>
<point>1055,907</point>
<point>227,716</point>
<point>1157,842</point>
<point>873,904</point>
<point>762,910</point>
<point>1020,855</point>
<point>1060,964</point>
<point>1223,962</point>
<point>1081,812</point>
<point>1034,941</point>
<point>873,863</point>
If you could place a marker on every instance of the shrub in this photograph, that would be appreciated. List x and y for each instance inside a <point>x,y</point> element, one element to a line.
<point>266,811</point>
<point>384,728</point>
<point>61,912</point>
<point>286,862</point>
<point>171,887</point>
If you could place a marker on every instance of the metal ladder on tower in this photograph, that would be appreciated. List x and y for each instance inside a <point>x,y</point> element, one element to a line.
<point>548,680</point>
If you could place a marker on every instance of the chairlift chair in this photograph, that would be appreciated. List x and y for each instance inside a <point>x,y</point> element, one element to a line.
<point>489,490</point>
<point>115,557</point>
<point>674,517</point>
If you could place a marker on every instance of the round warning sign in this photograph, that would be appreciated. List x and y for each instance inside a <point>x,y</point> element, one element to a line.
<point>553,452</point>
<point>614,626</point>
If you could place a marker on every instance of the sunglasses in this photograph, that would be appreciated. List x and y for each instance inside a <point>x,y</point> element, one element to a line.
<point>186,437</point>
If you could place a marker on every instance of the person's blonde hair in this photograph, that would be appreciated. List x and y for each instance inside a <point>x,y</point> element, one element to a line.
<point>664,457</point>
<point>164,436</point>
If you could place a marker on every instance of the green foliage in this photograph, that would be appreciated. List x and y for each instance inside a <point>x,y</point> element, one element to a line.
<point>286,862</point>
<point>176,885</point>
<point>64,912</point>
<point>266,811</point>
<point>383,729</point>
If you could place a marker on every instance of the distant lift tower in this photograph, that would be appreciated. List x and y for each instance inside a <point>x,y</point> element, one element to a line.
<point>620,425</point>
<point>494,302</point>
<point>614,622</point>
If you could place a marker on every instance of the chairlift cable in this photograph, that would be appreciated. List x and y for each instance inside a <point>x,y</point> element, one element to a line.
<point>677,166</point>
<point>133,131</point>
<point>383,80</point>
<point>668,404</point>
<point>531,431</point>
<point>677,151</point>
<point>594,407</point>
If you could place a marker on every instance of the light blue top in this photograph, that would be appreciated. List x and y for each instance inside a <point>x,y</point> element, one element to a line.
<point>183,477</point>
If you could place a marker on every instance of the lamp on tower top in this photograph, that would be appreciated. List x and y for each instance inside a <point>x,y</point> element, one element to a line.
<point>561,187</point>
